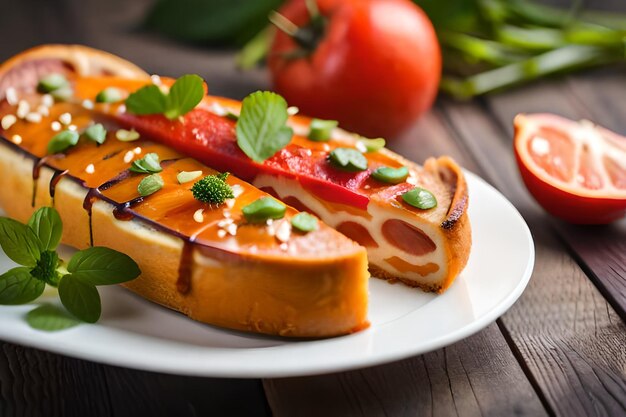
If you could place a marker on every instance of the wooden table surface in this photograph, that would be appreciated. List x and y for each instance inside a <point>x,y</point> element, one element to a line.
<point>560,350</point>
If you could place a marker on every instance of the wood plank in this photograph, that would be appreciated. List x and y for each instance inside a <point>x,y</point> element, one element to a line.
<point>37,383</point>
<point>597,96</point>
<point>475,377</point>
<point>570,339</point>
<point>459,380</point>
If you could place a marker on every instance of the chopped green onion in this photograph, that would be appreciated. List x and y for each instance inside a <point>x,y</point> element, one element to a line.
<point>263,209</point>
<point>321,130</point>
<point>348,159</point>
<point>370,145</point>
<point>304,222</point>
<point>96,132</point>
<point>62,94</point>
<point>149,164</point>
<point>52,82</point>
<point>150,185</point>
<point>110,95</point>
<point>420,198</point>
<point>391,175</point>
<point>186,176</point>
<point>62,141</point>
<point>232,116</point>
<point>124,135</point>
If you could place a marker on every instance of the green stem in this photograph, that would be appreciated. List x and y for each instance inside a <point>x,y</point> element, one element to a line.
<point>255,50</point>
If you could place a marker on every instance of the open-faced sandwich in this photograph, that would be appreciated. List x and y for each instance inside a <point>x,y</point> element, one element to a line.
<point>141,164</point>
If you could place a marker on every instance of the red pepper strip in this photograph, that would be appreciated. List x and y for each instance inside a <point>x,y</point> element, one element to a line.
<point>211,139</point>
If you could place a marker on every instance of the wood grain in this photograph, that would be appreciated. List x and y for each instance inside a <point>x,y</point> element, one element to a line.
<point>37,383</point>
<point>569,339</point>
<point>475,377</point>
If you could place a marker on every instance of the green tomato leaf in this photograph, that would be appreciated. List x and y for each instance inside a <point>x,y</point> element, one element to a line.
<point>47,225</point>
<point>102,266</point>
<point>18,286</point>
<point>147,100</point>
<point>80,299</point>
<point>261,128</point>
<point>50,318</point>
<point>184,95</point>
<point>19,242</point>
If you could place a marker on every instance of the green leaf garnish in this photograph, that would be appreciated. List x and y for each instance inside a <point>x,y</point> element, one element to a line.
<point>80,299</point>
<point>110,95</point>
<point>19,242</point>
<point>321,130</point>
<point>150,185</point>
<point>212,189</point>
<point>102,266</point>
<point>62,141</point>
<point>390,175</point>
<point>348,159</point>
<point>370,145</point>
<point>96,133</point>
<point>420,198</point>
<point>149,164</point>
<point>304,222</point>
<point>184,96</point>
<point>263,209</point>
<point>62,94</point>
<point>52,82</point>
<point>18,286</point>
<point>186,176</point>
<point>50,318</point>
<point>48,227</point>
<point>261,128</point>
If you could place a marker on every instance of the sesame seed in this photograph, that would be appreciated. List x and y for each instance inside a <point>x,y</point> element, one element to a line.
<point>224,223</point>
<point>137,150</point>
<point>326,147</point>
<point>232,229</point>
<point>8,121</point>
<point>230,203</point>
<point>33,117</point>
<point>292,110</point>
<point>226,214</point>
<point>283,233</point>
<point>269,222</point>
<point>128,156</point>
<point>47,100</point>
<point>43,110</point>
<point>88,104</point>
<point>367,186</point>
<point>23,108</point>
<point>65,118</point>
<point>11,96</point>
<point>156,80</point>
<point>237,190</point>
<point>90,169</point>
<point>283,246</point>
<point>72,128</point>
<point>17,139</point>
<point>56,126</point>
<point>360,146</point>
<point>221,233</point>
<point>121,108</point>
<point>198,216</point>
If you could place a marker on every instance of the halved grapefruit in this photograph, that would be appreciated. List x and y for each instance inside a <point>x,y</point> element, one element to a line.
<point>575,170</point>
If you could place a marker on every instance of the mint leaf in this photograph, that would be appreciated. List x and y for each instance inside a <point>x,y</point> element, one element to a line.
<point>17,286</point>
<point>184,95</point>
<point>80,299</point>
<point>19,242</point>
<point>102,266</point>
<point>50,318</point>
<point>47,225</point>
<point>149,164</point>
<point>147,100</point>
<point>261,128</point>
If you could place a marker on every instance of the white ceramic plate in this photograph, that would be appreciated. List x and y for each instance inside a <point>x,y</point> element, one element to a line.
<point>135,333</point>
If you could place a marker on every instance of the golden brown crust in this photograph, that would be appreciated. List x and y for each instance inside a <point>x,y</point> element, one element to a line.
<point>392,279</point>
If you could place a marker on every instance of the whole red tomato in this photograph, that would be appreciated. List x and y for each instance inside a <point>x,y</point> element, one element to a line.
<point>373,65</point>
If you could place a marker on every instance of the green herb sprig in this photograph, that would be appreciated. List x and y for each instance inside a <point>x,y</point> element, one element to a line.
<point>261,127</point>
<point>33,246</point>
<point>184,95</point>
